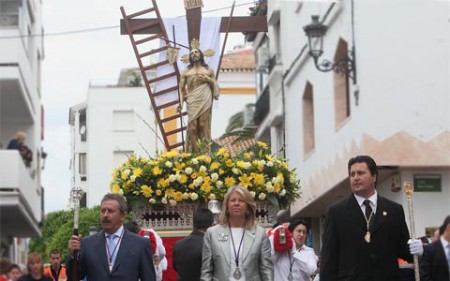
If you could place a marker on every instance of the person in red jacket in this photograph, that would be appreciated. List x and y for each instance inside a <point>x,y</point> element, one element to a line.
<point>55,270</point>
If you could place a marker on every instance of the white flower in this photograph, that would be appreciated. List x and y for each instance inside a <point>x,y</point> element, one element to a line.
<point>172,202</point>
<point>185,196</point>
<point>269,187</point>
<point>168,164</point>
<point>188,170</point>
<point>262,162</point>
<point>219,184</point>
<point>194,196</point>
<point>247,165</point>
<point>195,161</point>
<point>164,200</point>
<point>292,178</point>
<point>152,201</point>
<point>269,164</point>
<point>283,192</point>
<point>172,178</point>
<point>212,196</point>
<point>126,172</point>
<point>262,196</point>
<point>132,178</point>
<point>253,194</point>
<point>235,171</point>
<point>202,168</point>
<point>198,181</point>
<point>214,176</point>
<point>275,180</point>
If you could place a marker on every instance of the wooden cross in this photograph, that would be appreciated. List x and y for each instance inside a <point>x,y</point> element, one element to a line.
<point>194,18</point>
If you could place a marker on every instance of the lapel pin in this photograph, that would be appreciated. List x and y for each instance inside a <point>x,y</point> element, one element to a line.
<point>384,213</point>
<point>223,237</point>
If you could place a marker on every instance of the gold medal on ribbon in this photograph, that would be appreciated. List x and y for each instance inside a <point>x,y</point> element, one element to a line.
<point>367,237</point>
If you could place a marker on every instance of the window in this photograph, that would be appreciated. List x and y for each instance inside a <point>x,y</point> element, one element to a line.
<point>308,120</point>
<point>9,12</point>
<point>341,88</point>
<point>123,120</point>
<point>82,166</point>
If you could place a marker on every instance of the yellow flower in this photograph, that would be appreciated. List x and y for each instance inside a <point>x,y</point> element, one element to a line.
<point>276,187</point>
<point>262,144</point>
<point>194,175</point>
<point>206,187</point>
<point>178,196</point>
<point>170,192</point>
<point>157,171</point>
<point>214,166</point>
<point>144,161</point>
<point>147,191</point>
<point>137,172</point>
<point>172,154</point>
<point>163,183</point>
<point>229,163</point>
<point>179,167</point>
<point>115,188</point>
<point>221,151</point>
<point>247,156</point>
<point>185,155</point>
<point>158,192</point>
<point>229,182</point>
<point>221,171</point>
<point>269,157</point>
<point>259,179</point>
<point>245,181</point>
<point>183,179</point>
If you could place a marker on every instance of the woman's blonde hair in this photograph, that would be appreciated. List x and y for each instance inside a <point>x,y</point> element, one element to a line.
<point>21,135</point>
<point>250,216</point>
<point>34,258</point>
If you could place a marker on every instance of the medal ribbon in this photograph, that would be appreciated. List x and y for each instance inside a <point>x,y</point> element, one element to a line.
<point>236,256</point>
<point>110,255</point>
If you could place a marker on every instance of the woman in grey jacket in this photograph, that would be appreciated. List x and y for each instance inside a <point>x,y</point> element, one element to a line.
<point>236,248</point>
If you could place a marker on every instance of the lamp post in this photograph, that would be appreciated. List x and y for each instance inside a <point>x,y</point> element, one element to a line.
<point>344,65</point>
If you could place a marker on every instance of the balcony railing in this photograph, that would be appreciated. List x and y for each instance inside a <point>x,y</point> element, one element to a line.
<point>262,107</point>
<point>20,197</point>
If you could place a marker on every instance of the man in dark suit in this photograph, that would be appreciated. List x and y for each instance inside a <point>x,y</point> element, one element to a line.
<point>435,263</point>
<point>366,233</point>
<point>187,252</point>
<point>114,253</point>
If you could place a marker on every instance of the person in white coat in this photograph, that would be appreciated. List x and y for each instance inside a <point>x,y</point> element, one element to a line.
<point>298,262</point>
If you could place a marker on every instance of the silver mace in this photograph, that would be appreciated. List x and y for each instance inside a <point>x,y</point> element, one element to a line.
<point>409,191</point>
<point>77,194</point>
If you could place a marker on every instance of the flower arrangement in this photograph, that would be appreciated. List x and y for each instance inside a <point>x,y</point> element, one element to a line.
<point>175,177</point>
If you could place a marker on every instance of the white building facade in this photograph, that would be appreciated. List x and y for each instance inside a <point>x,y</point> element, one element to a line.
<point>21,193</point>
<point>113,123</point>
<point>395,111</point>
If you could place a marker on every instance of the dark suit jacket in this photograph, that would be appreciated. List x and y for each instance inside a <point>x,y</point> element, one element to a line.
<point>134,259</point>
<point>347,256</point>
<point>433,265</point>
<point>187,256</point>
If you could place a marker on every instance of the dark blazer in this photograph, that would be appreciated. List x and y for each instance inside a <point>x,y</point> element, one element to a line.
<point>134,259</point>
<point>187,256</point>
<point>347,256</point>
<point>433,265</point>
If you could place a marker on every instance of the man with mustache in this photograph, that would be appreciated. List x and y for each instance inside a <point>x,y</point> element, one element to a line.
<point>114,253</point>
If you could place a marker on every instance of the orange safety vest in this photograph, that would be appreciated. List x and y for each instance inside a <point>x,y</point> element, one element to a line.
<point>62,273</point>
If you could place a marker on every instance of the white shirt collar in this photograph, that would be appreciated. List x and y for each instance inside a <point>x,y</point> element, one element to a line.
<point>444,242</point>
<point>118,232</point>
<point>373,199</point>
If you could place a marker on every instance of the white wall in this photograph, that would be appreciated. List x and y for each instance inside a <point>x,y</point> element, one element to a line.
<point>103,140</point>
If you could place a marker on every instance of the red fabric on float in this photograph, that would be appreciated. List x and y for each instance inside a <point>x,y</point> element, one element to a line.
<point>170,274</point>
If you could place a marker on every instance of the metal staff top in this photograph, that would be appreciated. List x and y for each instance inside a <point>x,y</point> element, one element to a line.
<point>77,194</point>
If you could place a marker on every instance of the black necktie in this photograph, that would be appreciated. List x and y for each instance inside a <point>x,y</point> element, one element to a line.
<point>368,209</point>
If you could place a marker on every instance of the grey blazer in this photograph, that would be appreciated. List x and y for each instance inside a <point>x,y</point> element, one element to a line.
<point>216,255</point>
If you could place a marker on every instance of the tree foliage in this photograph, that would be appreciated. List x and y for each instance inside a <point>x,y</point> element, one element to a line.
<point>58,227</point>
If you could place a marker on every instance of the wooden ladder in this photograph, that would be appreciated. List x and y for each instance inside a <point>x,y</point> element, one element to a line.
<point>139,42</point>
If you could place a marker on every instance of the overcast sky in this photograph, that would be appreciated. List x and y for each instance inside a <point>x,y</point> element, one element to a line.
<point>83,45</point>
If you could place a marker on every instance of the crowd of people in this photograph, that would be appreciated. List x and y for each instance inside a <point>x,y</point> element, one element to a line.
<point>364,238</point>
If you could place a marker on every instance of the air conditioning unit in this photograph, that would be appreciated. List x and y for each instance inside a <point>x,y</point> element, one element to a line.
<point>262,59</point>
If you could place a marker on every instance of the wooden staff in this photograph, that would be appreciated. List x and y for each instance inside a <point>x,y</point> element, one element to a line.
<point>77,194</point>
<point>409,191</point>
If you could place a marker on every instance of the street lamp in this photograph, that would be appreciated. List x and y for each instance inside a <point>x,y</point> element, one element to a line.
<point>345,65</point>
